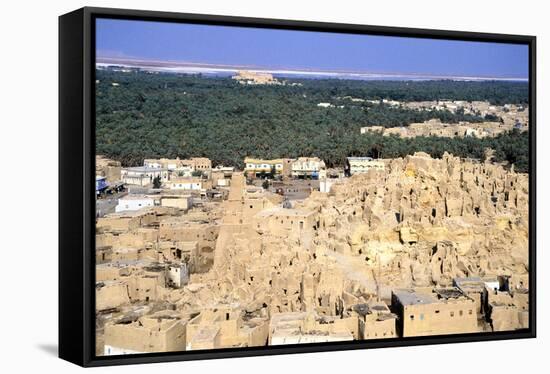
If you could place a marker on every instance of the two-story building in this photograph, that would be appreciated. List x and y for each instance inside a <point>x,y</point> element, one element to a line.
<point>307,167</point>
<point>258,167</point>
<point>445,311</point>
<point>179,166</point>
<point>143,175</point>
<point>359,165</point>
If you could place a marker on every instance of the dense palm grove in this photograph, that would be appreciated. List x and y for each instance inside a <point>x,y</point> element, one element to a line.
<point>167,115</point>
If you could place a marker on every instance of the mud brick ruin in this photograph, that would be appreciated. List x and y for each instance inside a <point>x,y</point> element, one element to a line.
<point>422,246</point>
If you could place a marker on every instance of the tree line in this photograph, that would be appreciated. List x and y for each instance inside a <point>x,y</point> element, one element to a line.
<point>146,115</point>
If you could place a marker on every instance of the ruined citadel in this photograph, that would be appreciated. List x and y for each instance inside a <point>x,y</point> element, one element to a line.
<point>254,77</point>
<point>420,246</point>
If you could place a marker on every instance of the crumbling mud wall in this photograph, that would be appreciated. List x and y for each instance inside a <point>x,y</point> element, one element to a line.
<point>326,267</point>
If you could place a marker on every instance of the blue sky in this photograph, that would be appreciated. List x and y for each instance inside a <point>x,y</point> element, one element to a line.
<point>308,50</point>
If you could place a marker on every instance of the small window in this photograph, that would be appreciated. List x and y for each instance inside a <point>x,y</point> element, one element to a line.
<point>412,317</point>
<point>470,312</point>
<point>452,314</point>
<point>422,316</point>
<point>460,313</point>
<point>437,312</point>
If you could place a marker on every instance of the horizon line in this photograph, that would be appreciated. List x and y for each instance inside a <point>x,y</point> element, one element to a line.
<point>189,67</point>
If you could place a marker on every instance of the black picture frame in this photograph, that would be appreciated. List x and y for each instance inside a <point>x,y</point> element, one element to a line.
<point>77,196</point>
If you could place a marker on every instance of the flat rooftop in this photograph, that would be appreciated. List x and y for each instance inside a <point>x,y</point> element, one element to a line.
<point>469,283</point>
<point>138,197</point>
<point>144,169</point>
<point>449,293</point>
<point>411,297</point>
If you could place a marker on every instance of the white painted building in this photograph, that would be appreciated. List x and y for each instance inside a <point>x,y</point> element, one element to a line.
<point>161,164</point>
<point>202,164</point>
<point>307,167</point>
<point>178,275</point>
<point>358,165</point>
<point>143,175</point>
<point>191,184</point>
<point>135,202</point>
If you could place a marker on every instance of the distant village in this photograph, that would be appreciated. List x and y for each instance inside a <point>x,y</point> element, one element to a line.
<point>178,182</point>
<point>191,255</point>
<point>507,117</point>
<point>510,117</point>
